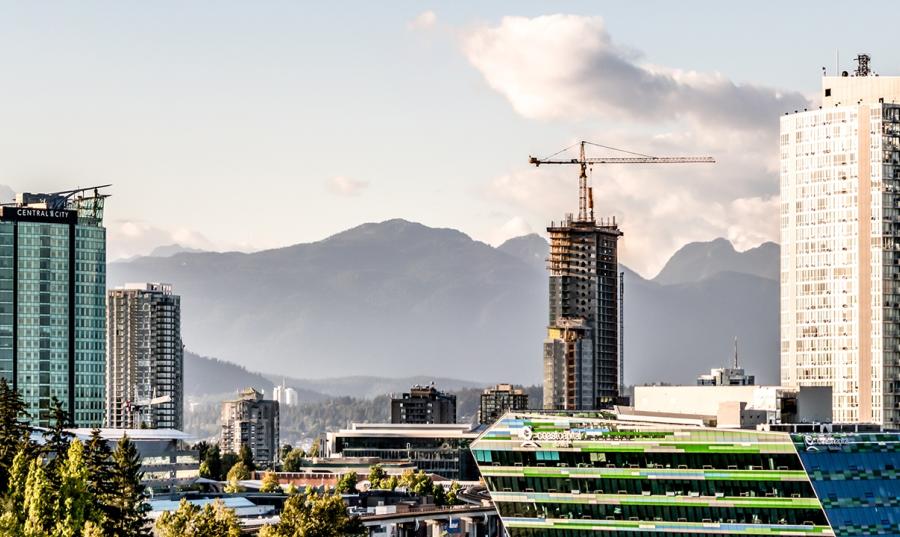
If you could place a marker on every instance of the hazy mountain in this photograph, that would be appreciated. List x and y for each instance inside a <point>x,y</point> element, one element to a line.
<point>172,249</point>
<point>390,299</point>
<point>397,300</point>
<point>699,260</point>
<point>675,332</point>
<point>204,377</point>
<point>367,387</point>
<point>531,248</point>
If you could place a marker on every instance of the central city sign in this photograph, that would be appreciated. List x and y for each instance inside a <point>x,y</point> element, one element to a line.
<point>30,214</point>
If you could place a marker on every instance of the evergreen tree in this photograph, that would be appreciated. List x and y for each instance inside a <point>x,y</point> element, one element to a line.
<point>453,494</point>
<point>213,520</point>
<point>13,429</point>
<point>213,462</point>
<point>440,495</point>
<point>312,515</point>
<point>58,440</point>
<point>39,501</point>
<point>97,456</point>
<point>74,506</point>
<point>228,460</point>
<point>377,476</point>
<point>293,461</point>
<point>314,449</point>
<point>247,457</point>
<point>285,449</point>
<point>14,501</point>
<point>347,483</point>
<point>127,504</point>
<point>270,483</point>
<point>202,448</point>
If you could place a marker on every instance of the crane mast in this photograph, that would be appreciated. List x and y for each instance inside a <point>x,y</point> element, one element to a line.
<point>585,193</point>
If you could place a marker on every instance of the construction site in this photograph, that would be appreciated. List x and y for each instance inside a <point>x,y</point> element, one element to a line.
<point>583,353</point>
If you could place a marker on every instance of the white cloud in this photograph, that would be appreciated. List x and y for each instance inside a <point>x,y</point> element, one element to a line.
<point>515,226</point>
<point>567,68</point>
<point>345,186</point>
<point>130,238</point>
<point>423,21</point>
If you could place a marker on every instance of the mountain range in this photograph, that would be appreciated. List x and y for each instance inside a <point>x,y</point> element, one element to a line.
<point>397,299</point>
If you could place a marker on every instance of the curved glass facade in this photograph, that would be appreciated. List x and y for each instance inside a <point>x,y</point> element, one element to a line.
<point>570,476</point>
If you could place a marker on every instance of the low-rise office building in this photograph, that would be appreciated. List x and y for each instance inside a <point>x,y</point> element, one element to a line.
<point>573,476</point>
<point>441,449</point>
<point>167,460</point>
<point>730,406</point>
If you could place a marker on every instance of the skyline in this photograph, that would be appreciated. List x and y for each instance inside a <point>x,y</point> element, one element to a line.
<point>251,114</point>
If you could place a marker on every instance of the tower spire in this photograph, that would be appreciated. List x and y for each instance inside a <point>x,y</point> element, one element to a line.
<point>735,353</point>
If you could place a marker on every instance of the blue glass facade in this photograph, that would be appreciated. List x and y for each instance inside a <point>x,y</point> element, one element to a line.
<point>52,308</point>
<point>856,478</point>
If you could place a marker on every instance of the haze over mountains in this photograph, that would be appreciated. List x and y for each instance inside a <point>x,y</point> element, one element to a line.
<point>398,299</point>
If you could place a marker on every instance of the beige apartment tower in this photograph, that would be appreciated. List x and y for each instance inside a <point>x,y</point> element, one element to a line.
<point>840,246</point>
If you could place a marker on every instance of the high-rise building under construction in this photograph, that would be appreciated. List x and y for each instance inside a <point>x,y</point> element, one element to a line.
<point>581,352</point>
<point>582,367</point>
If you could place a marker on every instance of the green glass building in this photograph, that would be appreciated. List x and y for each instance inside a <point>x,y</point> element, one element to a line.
<point>52,303</point>
<point>581,475</point>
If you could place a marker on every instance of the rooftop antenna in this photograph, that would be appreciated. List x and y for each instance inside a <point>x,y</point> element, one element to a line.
<point>735,353</point>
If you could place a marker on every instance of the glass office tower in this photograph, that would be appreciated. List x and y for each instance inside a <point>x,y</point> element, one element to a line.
<point>52,303</point>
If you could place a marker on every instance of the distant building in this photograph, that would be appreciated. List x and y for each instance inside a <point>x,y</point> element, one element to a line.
<point>52,303</point>
<point>729,406</point>
<point>284,395</point>
<point>498,400</point>
<point>145,364</point>
<point>581,351</point>
<point>441,449</point>
<point>252,421</point>
<point>424,405</point>
<point>840,231</point>
<point>734,376</point>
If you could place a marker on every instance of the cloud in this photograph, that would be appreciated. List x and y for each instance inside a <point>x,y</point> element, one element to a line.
<point>345,186</point>
<point>515,226</point>
<point>423,21</point>
<point>568,69</point>
<point>130,238</point>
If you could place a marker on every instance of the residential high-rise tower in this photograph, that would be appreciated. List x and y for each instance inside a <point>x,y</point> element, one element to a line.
<point>52,303</point>
<point>251,421</point>
<point>145,366</point>
<point>840,246</point>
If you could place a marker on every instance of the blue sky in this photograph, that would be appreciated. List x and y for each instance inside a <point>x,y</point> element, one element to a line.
<point>239,125</point>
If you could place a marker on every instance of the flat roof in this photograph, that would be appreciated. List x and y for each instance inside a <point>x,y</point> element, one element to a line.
<point>405,430</point>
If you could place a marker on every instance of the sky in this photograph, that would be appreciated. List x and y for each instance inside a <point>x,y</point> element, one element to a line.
<point>251,125</point>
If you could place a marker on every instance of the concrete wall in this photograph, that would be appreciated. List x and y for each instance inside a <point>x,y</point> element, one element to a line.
<point>704,400</point>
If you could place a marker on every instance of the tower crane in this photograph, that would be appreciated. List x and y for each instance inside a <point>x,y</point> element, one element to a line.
<point>585,194</point>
